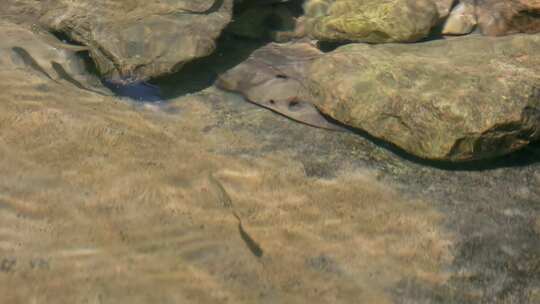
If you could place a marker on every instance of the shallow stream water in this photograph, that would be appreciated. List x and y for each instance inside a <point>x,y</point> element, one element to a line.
<point>132,206</point>
<point>221,201</point>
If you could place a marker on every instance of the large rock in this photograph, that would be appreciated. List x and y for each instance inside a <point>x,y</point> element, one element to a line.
<point>494,17</point>
<point>135,38</point>
<point>463,99</point>
<point>503,17</point>
<point>375,21</point>
<point>456,100</point>
<point>444,7</point>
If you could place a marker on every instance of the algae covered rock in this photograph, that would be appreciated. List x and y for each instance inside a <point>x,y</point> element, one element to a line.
<point>503,17</point>
<point>494,17</point>
<point>462,99</point>
<point>140,39</point>
<point>375,21</point>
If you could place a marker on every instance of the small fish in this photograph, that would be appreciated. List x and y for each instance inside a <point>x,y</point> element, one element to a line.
<point>226,200</point>
<point>55,42</point>
<point>63,74</point>
<point>253,246</point>
<point>30,61</point>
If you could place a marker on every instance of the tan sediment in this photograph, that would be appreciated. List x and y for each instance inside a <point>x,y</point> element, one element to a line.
<point>101,202</point>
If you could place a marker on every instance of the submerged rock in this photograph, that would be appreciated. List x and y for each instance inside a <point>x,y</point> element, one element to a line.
<point>375,21</point>
<point>503,17</point>
<point>463,99</point>
<point>444,7</point>
<point>461,21</point>
<point>458,100</point>
<point>140,39</point>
